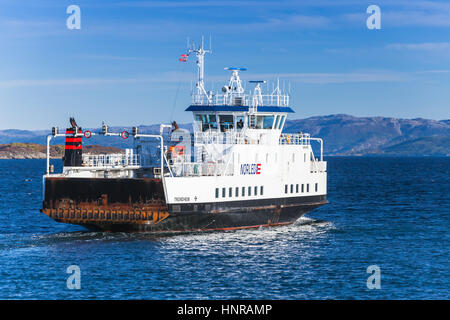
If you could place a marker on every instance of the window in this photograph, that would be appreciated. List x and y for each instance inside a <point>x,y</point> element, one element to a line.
<point>249,191</point>
<point>208,121</point>
<point>230,192</point>
<point>256,190</point>
<point>296,188</point>
<point>285,188</point>
<point>264,122</point>
<point>307,187</point>
<point>281,122</point>
<point>303,188</point>
<point>292,188</point>
<point>198,121</point>
<point>225,122</point>
<point>261,190</point>
<point>223,192</point>
<point>239,122</point>
<point>243,191</point>
<point>217,192</point>
<point>317,187</point>
<point>268,122</point>
<point>277,121</point>
<point>237,192</point>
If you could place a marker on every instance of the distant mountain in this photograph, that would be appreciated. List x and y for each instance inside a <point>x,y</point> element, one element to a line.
<point>428,146</point>
<point>342,134</point>
<point>347,135</point>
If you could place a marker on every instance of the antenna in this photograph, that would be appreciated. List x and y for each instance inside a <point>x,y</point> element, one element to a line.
<point>210,41</point>
<point>235,84</point>
<point>200,53</point>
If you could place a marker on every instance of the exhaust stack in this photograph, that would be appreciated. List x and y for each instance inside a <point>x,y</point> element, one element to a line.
<point>73,149</point>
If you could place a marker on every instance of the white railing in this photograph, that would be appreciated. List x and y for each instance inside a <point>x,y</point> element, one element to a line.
<point>230,137</point>
<point>296,138</point>
<point>301,139</point>
<point>279,100</point>
<point>215,137</point>
<point>110,160</point>
<point>192,169</point>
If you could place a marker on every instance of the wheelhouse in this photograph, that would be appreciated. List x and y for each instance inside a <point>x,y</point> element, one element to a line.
<point>223,121</point>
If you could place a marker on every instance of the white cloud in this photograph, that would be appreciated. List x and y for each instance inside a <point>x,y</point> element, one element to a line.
<point>175,77</point>
<point>353,77</point>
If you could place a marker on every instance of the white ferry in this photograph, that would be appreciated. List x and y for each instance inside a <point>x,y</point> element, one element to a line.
<point>234,170</point>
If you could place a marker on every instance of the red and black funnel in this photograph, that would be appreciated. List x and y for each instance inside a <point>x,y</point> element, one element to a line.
<point>74,147</point>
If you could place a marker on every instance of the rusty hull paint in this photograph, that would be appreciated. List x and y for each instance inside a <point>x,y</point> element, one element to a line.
<point>105,201</point>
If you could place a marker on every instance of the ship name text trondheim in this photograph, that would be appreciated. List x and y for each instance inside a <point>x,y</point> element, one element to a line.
<point>228,309</point>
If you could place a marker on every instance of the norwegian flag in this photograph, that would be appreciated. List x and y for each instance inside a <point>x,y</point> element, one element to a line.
<point>184,57</point>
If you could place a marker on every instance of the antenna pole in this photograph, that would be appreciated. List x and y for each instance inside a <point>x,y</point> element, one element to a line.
<point>200,53</point>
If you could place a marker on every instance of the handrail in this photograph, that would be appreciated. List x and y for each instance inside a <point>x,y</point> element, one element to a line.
<point>279,100</point>
<point>321,146</point>
<point>160,137</point>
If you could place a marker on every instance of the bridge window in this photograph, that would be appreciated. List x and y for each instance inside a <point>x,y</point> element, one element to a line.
<point>249,191</point>
<point>264,122</point>
<point>207,121</point>
<point>317,187</point>
<point>237,192</point>
<point>217,192</point>
<point>285,188</point>
<point>296,188</point>
<point>303,188</point>
<point>261,190</point>
<point>277,121</point>
<point>230,192</point>
<point>226,122</point>
<point>281,122</point>
<point>243,191</point>
<point>239,122</point>
<point>256,190</point>
<point>307,187</point>
<point>268,122</point>
<point>223,192</point>
<point>292,188</point>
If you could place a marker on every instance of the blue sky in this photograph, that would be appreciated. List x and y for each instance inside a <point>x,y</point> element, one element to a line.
<point>122,65</point>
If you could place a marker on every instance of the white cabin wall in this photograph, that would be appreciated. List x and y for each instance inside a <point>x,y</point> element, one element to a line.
<point>274,176</point>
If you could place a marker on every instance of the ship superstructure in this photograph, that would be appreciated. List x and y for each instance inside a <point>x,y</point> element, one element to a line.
<point>235,169</point>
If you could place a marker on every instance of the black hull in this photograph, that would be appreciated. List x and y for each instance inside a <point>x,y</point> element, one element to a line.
<point>138,205</point>
<point>193,222</point>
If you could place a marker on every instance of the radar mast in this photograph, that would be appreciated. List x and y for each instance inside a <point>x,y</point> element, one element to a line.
<point>200,53</point>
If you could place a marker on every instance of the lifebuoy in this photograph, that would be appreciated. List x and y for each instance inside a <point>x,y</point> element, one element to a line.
<point>124,134</point>
<point>87,134</point>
